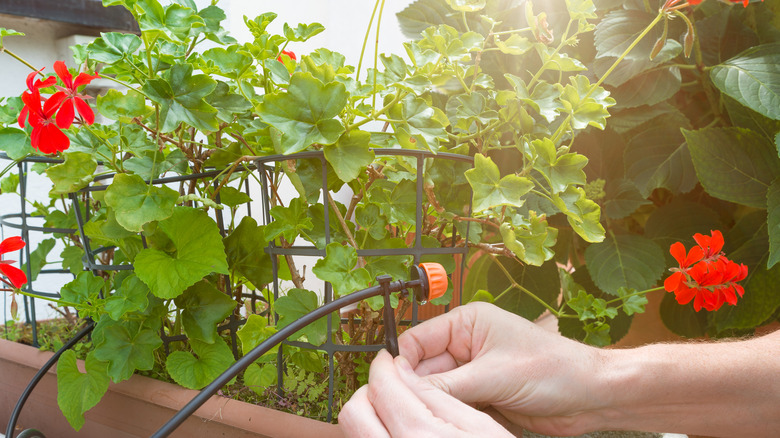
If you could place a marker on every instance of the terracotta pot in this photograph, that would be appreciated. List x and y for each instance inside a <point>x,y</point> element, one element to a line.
<point>138,407</point>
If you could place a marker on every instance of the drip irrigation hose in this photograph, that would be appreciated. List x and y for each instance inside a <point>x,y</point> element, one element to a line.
<point>385,287</point>
<point>9,431</point>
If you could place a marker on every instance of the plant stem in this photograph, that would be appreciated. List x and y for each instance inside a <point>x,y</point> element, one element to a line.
<point>20,59</point>
<point>365,40</point>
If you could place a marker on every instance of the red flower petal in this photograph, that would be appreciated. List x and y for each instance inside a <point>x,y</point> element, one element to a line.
<point>49,139</point>
<point>684,294</point>
<point>66,115</point>
<point>83,79</point>
<point>84,110</point>
<point>16,275</point>
<point>63,73</point>
<point>673,281</point>
<point>677,250</point>
<point>11,244</point>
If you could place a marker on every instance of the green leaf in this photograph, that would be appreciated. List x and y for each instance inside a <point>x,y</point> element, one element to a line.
<point>199,252</point>
<point>9,184</point>
<point>626,260</point>
<point>245,250</point>
<point>423,126</point>
<point>15,143</point>
<point>72,259</point>
<point>196,372</point>
<point>542,281</point>
<point>350,155</point>
<point>203,307</point>
<point>632,303</point>
<point>303,32</point>
<point>233,197</point>
<point>753,79</point>
<point>180,95</point>
<point>682,320</point>
<point>289,221</point>
<point>255,331</point>
<point>74,174</point>
<point>589,307</point>
<point>531,239</point>
<point>760,303</point>
<point>543,99</point>
<point>773,222</point>
<point>623,198</point>
<point>112,47</point>
<point>466,5</point>
<point>560,171</point>
<point>657,157</point>
<point>734,164</point>
<point>305,113</point>
<point>649,89</point>
<point>231,61</point>
<point>585,107</point>
<point>76,392</point>
<point>678,221</point>
<point>581,9</point>
<point>582,214</point>
<point>130,296</point>
<point>514,45</point>
<point>126,349</point>
<point>4,32</point>
<point>339,268</point>
<point>293,306</point>
<point>122,107</point>
<point>137,203</point>
<point>491,190</point>
<point>259,378</point>
<point>369,216</point>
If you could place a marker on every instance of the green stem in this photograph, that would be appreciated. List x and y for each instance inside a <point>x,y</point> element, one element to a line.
<point>376,53</point>
<point>378,113</point>
<point>19,58</point>
<point>636,294</point>
<point>365,40</point>
<point>53,300</point>
<point>514,284</point>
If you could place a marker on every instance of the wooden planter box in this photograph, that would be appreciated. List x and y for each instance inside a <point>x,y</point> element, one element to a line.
<point>138,407</point>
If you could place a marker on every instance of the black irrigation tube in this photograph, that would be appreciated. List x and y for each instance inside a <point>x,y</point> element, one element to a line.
<point>9,430</point>
<point>385,287</point>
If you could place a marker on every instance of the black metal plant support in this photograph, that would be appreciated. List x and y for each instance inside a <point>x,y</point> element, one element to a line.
<point>418,283</point>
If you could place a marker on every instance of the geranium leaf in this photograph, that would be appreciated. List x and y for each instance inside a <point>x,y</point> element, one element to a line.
<point>561,171</point>
<point>583,214</point>
<point>466,5</point>
<point>203,307</point>
<point>369,217</point>
<point>339,268</point>
<point>305,113</point>
<point>255,331</point>
<point>289,221</point>
<point>734,164</point>
<point>632,303</point>
<point>585,107</point>
<point>78,392</point>
<point>753,79</point>
<point>196,372</point>
<point>112,47</point>
<point>199,252</point>
<point>293,306</point>
<point>130,296</point>
<point>350,155</point>
<point>180,95</point>
<point>126,349</point>
<point>122,107</point>
<point>137,203</point>
<point>625,261</point>
<point>245,250</point>
<point>74,174</point>
<point>15,143</point>
<point>491,190</point>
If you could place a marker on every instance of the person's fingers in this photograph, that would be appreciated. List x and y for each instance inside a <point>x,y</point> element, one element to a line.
<point>358,418</point>
<point>449,333</point>
<point>448,408</point>
<point>396,405</point>
<point>437,364</point>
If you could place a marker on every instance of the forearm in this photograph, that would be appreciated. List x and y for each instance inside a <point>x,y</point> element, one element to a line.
<point>716,389</point>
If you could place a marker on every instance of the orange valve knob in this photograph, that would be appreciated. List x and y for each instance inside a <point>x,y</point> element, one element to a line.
<point>431,281</point>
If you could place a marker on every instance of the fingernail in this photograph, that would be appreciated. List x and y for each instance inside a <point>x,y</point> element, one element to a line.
<point>404,365</point>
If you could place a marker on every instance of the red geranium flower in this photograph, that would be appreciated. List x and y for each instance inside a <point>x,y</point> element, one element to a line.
<point>72,100</point>
<point>705,275</point>
<point>32,86</point>
<point>46,135</point>
<point>15,275</point>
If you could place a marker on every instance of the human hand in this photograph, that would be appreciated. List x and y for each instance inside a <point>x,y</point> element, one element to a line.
<point>398,403</point>
<point>483,355</point>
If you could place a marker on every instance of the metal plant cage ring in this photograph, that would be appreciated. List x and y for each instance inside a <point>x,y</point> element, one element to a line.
<point>22,220</point>
<point>267,168</point>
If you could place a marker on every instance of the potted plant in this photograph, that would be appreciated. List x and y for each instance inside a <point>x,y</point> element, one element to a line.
<point>523,89</point>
